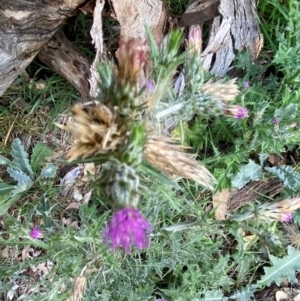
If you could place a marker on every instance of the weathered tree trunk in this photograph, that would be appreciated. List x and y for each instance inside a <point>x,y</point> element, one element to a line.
<point>26,26</point>
<point>133,15</point>
<point>64,58</point>
<point>234,30</point>
<point>198,12</point>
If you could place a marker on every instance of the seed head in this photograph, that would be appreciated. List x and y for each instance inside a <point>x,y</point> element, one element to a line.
<point>96,131</point>
<point>223,91</point>
<point>173,161</point>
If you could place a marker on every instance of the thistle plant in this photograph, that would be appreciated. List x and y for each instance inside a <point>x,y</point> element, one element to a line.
<point>201,95</point>
<point>123,125</point>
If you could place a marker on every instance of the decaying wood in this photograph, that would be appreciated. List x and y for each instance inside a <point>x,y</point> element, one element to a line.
<point>64,58</point>
<point>242,34</point>
<point>25,26</point>
<point>198,12</point>
<point>219,46</point>
<point>97,36</point>
<point>253,191</point>
<point>134,15</point>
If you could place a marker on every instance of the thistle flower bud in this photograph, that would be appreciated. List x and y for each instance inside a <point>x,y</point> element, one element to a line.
<point>122,186</point>
<point>131,56</point>
<point>236,111</point>
<point>195,40</point>
<point>246,85</point>
<point>284,209</point>
<point>281,211</point>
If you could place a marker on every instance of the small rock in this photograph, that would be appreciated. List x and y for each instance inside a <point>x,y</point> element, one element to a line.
<point>281,296</point>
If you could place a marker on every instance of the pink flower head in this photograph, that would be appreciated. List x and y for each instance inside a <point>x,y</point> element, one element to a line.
<point>150,85</point>
<point>127,227</point>
<point>131,56</point>
<point>195,39</point>
<point>246,85</point>
<point>36,233</point>
<point>236,111</point>
<point>276,120</point>
<point>287,217</point>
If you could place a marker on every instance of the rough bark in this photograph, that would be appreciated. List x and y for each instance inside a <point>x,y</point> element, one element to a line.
<point>134,15</point>
<point>198,12</point>
<point>64,58</point>
<point>26,26</point>
<point>235,30</point>
<point>255,190</point>
<point>97,36</point>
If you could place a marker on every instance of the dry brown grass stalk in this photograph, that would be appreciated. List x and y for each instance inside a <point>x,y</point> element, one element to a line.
<point>78,289</point>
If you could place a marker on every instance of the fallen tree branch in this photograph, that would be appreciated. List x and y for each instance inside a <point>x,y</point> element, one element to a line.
<point>198,12</point>
<point>25,27</point>
<point>63,57</point>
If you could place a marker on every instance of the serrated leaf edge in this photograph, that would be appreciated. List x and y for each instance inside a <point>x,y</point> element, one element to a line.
<point>21,157</point>
<point>290,249</point>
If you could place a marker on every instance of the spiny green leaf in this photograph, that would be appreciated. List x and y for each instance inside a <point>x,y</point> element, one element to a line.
<point>49,171</point>
<point>21,157</point>
<point>4,161</point>
<point>246,294</point>
<point>152,44</point>
<point>39,156</point>
<point>19,176</point>
<point>290,177</point>
<point>7,201</point>
<point>251,171</point>
<point>296,216</point>
<point>5,188</point>
<point>19,189</point>
<point>282,268</point>
<point>288,112</point>
<point>216,295</point>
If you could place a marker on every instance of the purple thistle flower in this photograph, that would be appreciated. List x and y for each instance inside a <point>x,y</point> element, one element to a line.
<point>36,233</point>
<point>287,217</point>
<point>127,227</point>
<point>246,85</point>
<point>276,120</point>
<point>150,85</point>
<point>236,111</point>
<point>241,113</point>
